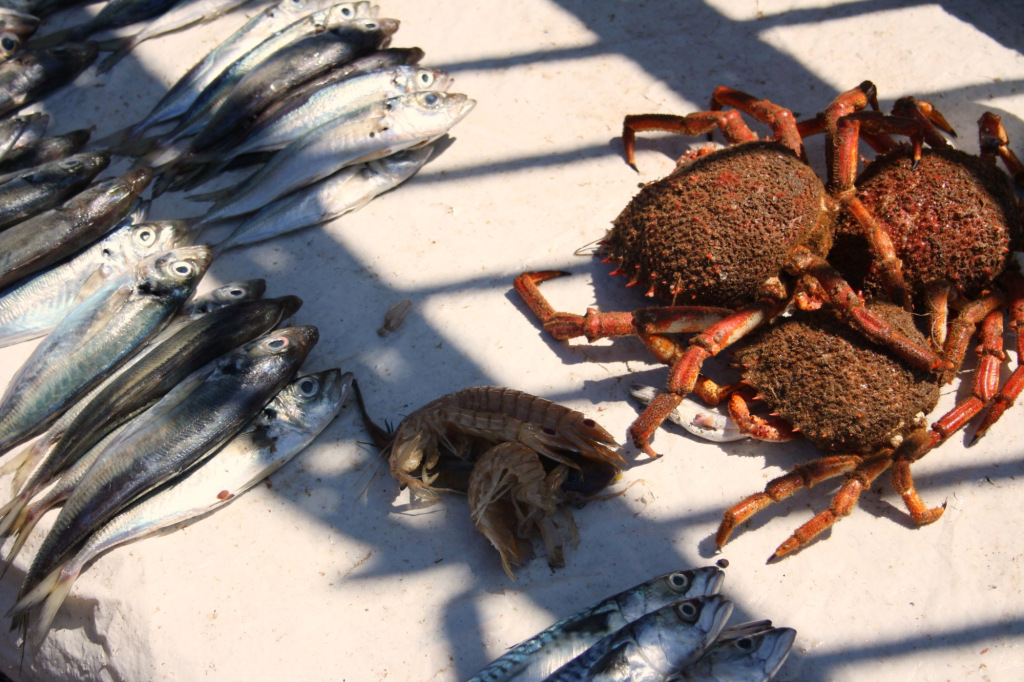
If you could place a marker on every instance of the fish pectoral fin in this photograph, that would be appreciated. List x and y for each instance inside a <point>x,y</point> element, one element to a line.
<point>91,285</point>
<point>104,313</point>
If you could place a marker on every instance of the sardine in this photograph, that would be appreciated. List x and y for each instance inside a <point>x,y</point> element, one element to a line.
<point>183,93</point>
<point>44,187</point>
<point>32,74</point>
<point>181,15</point>
<point>16,131</point>
<point>652,647</point>
<point>284,428</point>
<point>115,14</point>
<point>347,190</point>
<point>42,151</point>
<point>144,381</point>
<point>183,428</point>
<point>214,94</point>
<point>545,652</point>
<point>94,338</point>
<point>696,418</point>
<point>36,305</point>
<point>226,294</point>
<point>743,657</point>
<point>44,239</point>
<point>406,122</point>
<point>275,76</point>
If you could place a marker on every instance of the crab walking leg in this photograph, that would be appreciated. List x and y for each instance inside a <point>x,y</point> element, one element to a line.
<point>842,505</point>
<point>994,142</point>
<point>802,476</point>
<point>777,430</point>
<point>1013,387</point>
<point>852,307</point>
<point>965,325</point>
<point>779,119</point>
<point>700,123</point>
<point>684,374</point>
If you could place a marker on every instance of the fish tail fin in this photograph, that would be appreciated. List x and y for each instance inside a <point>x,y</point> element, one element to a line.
<point>26,522</point>
<point>119,49</point>
<point>11,511</point>
<point>216,195</point>
<point>58,592</point>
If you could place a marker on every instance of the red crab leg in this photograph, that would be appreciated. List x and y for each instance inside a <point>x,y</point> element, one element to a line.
<point>846,103</point>
<point>779,119</point>
<point>927,116</point>
<point>695,124</point>
<point>684,374</point>
<point>852,307</point>
<point>936,296</point>
<point>995,142</point>
<point>842,504</point>
<point>772,429</point>
<point>802,476</point>
<point>963,327</point>
<point>1013,387</point>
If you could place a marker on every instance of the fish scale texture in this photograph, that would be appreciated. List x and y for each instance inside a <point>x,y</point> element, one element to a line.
<point>717,228</point>
<point>953,216</point>
<point>842,392</point>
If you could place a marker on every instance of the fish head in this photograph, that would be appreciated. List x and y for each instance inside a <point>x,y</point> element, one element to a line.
<point>75,57</point>
<point>419,79</point>
<point>434,112</point>
<point>669,588</point>
<point>755,655</point>
<point>144,240</point>
<point>85,163</point>
<point>174,273</point>
<point>10,42</point>
<point>313,400</point>
<point>227,294</point>
<point>291,344</point>
<point>676,635</point>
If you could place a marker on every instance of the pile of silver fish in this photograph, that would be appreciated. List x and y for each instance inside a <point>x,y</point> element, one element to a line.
<point>670,628</point>
<point>518,458</point>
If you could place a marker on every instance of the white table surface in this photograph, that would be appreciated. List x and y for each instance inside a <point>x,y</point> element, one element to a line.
<point>329,574</point>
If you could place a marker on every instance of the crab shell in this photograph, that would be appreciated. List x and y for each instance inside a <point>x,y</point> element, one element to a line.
<point>953,218</point>
<point>839,390</point>
<point>718,230</point>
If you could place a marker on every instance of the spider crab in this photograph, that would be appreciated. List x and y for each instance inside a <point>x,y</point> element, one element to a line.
<point>734,236</point>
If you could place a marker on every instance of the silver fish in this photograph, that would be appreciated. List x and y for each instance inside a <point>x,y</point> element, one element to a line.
<point>142,382</point>
<point>181,15</point>
<point>30,75</point>
<point>42,151</point>
<point>289,423</point>
<point>347,190</point>
<point>545,652</point>
<point>44,187</point>
<point>15,28</point>
<point>115,14</point>
<point>44,239</point>
<point>741,657</point>
<point>17,130</point>
<point>226,294</point>
<point>653,646</point>
<point>214,94</point>
<point>405,122</point>
<point>183,93</point>
<point>36,305</point>
<point>94,338</point>
<point>183,428</point>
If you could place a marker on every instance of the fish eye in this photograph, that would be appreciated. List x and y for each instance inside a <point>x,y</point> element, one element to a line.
<point>278,343</point>
<point>182,268</point>
<point>370,25</point>
<point>679,581</point>
<point>8,43</point>
<point>70,164</point>
<point>236,292</point>
<point>688,610</point>
<point>307,387</point>
<point>426,78</point>
<point>431,99</point>
<point>745,643</point>
<point>145,236</point>
<point>346,11</point>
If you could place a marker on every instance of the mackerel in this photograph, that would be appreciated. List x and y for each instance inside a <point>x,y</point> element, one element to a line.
<point>44,239</point>
<point>183,428</point>
<point>347,190</point>
<point>399,123</point>
<point>741,657</point>
<point>545,652</point>
<point>44,187</point>
<point>652,647</point>
<point>36,305</point>
<point>106,329</point>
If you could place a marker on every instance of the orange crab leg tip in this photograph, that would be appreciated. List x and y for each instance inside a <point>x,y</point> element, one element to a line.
<point>791,544</point>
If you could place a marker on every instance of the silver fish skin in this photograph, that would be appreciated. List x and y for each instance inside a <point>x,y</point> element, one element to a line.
<point>182,94</point>
<point>146,379</point>
<point>695,417</point>
<point>752,657</point>
<point>341,99</point>
<point>347,190</point>
<point>214,94</point>
<point>653,646</point>
<point>408,121</point>
<point>42,151</point>
<point>288,425</point>
<point>225,294</point>
<point>44,239</point>
<point>181,15</point>
<point>32,307</point>
<point>289,67</point>
<point>15,28</point>
<point>180,430</point>
<point>13,128</point>
<point>30,75</point>
<point>44,187</point>
<point>107,328</point>
<point>544,653</point>
<point>115,14</point>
